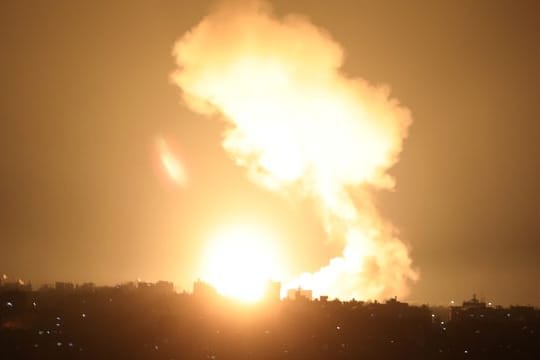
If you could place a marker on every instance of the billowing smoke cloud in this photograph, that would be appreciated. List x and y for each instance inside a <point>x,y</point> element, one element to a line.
<point>298,124</point>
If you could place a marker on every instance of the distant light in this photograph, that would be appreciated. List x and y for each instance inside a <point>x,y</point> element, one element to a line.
<point>466,351</point>
<point>57,325</point>
<point>70,344</point>
<point>58,318</point>
<point>490,304</point>
<point>83,315</point>
<point>172,165</point>
<point>59,344</point>
<point>338,328</point>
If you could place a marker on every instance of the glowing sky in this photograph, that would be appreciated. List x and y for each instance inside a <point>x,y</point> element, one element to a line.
<point>86,94</point>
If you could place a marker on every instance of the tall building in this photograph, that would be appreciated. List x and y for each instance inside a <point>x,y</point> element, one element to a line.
<point>299,294</point>
<point>64,286</point>
<point>203,290</point>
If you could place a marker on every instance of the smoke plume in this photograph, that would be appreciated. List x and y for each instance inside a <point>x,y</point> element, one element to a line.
<point>297,123</point>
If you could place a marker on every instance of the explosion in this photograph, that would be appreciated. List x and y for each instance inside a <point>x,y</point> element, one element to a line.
<point>233,252</point>
<point>297,123</point>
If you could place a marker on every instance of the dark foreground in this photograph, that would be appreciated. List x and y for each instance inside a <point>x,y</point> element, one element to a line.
<point>126,323</point>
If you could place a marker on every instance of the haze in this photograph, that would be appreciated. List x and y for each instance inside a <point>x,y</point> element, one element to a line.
<point>86,98</point>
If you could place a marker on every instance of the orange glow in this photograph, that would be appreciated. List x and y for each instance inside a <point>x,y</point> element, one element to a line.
<point>239,262</point>
<point>299,124</point>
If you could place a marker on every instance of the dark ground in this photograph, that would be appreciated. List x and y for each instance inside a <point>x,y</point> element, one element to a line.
<point>152,323</point>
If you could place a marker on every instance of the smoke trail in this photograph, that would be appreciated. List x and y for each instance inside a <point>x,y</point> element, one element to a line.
<point>297,123</point>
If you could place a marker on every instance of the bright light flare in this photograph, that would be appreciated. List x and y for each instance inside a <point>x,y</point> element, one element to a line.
<point>171,164</point>
<point>240,262</point>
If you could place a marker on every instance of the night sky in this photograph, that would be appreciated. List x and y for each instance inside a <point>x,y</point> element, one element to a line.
<point>86,92</point>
